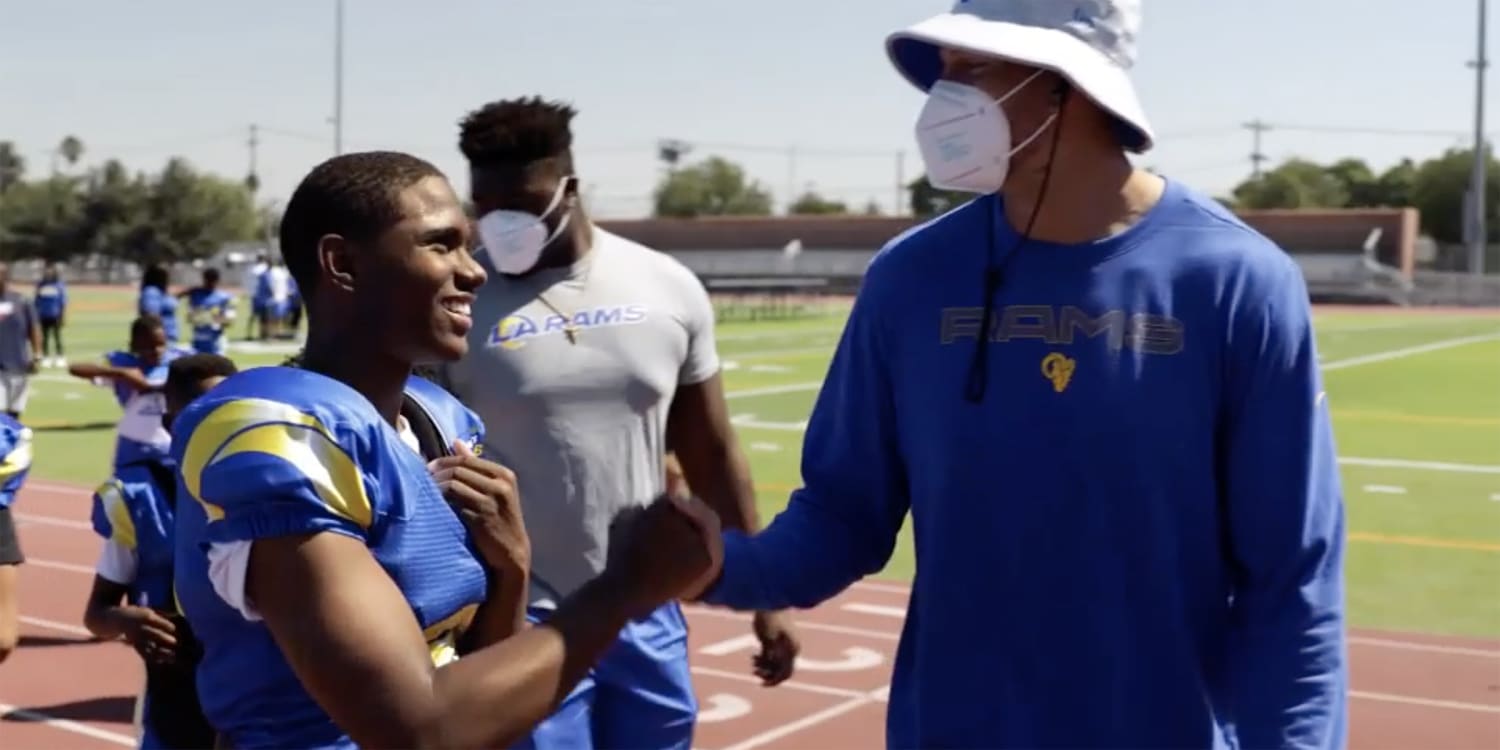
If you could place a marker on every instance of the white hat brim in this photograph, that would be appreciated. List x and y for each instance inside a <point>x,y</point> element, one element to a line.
<point>914,52</point>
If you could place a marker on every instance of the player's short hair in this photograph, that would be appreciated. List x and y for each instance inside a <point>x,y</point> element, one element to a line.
<point>211,275</point>
<point>144,326</point>
<point>185,375</point>
<point>355,196</point>
<point>157,276</point>
<point>518,132</point>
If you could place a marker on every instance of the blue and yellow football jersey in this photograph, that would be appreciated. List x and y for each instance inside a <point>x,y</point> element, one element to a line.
<point>133,510</point>
<point>276,451</point>
<point>15,447</point>
<point>209,310</point>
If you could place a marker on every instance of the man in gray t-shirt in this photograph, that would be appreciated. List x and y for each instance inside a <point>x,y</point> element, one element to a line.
<point>591,358</point>
<point>20,343</point>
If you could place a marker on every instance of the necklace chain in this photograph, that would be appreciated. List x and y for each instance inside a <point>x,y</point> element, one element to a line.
<point>570,328</point>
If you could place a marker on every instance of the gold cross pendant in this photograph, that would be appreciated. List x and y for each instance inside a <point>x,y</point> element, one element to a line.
<point>571,331</point>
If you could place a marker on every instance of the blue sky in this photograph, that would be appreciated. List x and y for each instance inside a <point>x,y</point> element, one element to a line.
<point>749,80</point>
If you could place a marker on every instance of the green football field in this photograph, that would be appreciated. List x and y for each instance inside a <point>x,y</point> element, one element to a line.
<point>1415,395</point>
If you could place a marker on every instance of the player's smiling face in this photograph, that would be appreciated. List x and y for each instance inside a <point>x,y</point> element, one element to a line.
<point>421,285</point>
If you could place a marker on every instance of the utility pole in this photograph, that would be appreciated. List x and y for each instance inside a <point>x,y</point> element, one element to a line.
<point>899,207</point>
<point>338,78</point>
<point>791,178</point>
<point>1257,157</point>
<point>1478,240</point>
<point>252,179</point>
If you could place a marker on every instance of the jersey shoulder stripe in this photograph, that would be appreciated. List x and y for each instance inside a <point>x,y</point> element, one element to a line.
<point>111,514</point>
<point>262,439</point>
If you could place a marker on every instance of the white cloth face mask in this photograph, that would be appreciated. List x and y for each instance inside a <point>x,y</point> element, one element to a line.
<point>965,137</point>
<point>515,240</point>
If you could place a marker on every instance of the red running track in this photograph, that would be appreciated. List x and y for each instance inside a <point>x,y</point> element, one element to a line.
<point>62,691</point>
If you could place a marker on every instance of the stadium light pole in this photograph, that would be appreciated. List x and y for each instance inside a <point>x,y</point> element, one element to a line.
<point>338,77</point>
<point>1478,242</point>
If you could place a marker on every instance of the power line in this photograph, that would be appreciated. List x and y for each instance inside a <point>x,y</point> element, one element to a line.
<point>1347,130</point>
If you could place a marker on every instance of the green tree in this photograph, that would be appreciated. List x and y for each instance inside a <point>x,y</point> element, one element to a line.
<point>115,207</point>
<point>1439,188</point>
<point>1359,183</point>
<point>12,166</point>
<point>189,215</point>
<point>712,187</point>
<point>71,150</point>
<point>1296,183</point>
<point>1396,183</point>
<point>927,200</point>
<point>42,219</point>
<point>810,203</point>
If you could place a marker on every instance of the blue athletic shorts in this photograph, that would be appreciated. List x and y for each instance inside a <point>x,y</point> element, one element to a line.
<point>639,696</point>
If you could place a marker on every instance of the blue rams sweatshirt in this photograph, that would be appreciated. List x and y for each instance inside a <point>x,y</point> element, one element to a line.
<point>1134,540</point>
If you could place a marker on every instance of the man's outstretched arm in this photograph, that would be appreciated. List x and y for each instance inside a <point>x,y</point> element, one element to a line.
<point>842,524</point>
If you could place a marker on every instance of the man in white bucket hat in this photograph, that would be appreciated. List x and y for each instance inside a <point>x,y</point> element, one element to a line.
<point>1127,513</point>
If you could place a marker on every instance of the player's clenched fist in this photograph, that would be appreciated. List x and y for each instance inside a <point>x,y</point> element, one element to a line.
<point>668,550</point>
<point>485,496</point>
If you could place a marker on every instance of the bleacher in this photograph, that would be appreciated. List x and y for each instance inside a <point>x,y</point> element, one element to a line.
<point>776,284</point>
<point>1352,278</point>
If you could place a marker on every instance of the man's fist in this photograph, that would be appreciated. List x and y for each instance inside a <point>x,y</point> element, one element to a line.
<point>668,550</point>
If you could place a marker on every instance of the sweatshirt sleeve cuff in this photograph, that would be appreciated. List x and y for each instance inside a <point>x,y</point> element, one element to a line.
<point>738,585</point>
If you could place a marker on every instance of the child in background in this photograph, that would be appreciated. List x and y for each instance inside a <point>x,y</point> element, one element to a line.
<point>133,596</point>
<point>155,300</point>
<point>137,375</point>
<point>294,309</point>
<point>251,285</point>
<point>274,290</point>
<point>15,446</point>
<point>210,311</point>
<point>51,304</point>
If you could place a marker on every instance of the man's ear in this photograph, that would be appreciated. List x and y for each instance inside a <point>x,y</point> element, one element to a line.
<point>336,258</point>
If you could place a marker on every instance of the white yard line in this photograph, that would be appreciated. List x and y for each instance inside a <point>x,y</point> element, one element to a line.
<point>14,713</point>
<point>810,720</point>
<point>773,390</point>
<point>769,336</point>
<point>1399,463</point>
<point>1408,351</point>
<point>1424,702</point>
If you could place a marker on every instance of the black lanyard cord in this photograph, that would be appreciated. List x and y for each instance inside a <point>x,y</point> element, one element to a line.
<point>994,273</point>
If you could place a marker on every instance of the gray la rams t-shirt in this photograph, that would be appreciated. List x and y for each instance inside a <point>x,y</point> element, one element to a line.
<point>583,424</point>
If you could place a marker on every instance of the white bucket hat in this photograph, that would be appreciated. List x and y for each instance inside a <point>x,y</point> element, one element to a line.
<point>1089,42</point>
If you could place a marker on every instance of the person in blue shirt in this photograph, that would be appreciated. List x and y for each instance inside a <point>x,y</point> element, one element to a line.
<point>210,312</point>
<point>155,300</point>
<point>365,575</point>
<point>136,375</point>
<point>252,285</point>
<point>273,290</point>
<point>293,308</point>
<point>15,464</point>
<point>1097,394</point>
<point>51,305</point>
<point>132,597</point>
